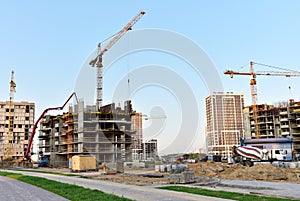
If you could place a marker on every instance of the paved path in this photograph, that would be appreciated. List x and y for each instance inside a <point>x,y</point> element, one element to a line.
<point>11,189</point>
<point>143,193</point>
<point>275,189</point>
<point>149,193</point>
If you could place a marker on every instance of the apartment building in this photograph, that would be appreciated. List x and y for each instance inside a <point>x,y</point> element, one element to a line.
<point>137,126</point>
<point>16,123</point>
<point>224,122</point>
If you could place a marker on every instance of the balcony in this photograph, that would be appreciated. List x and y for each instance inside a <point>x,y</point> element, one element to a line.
<point>45,128</point>
<point>44,145</point>
<point>296,111</point>
<point>296,139</point>
<point>284,119</point>
<point>284,126</point>
<point>44,135</point>
<point>285,133</point>
<point>283,113</point>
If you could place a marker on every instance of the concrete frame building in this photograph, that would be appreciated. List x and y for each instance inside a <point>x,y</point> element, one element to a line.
<point>105,133</point>
<point>274,122</point>
<point>150,151</point>
<point>268,124</point>
<point>21,119</point>
<point>224,122</point>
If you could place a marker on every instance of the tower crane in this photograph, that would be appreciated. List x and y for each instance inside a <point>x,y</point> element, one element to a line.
<point>9,144</point>
<point>98,59</point>
<point>253,74</point>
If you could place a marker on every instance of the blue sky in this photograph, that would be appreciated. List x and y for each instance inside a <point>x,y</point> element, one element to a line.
<point>46,43</point>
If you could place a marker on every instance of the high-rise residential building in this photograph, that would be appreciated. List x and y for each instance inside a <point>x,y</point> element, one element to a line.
<point>16,123</point>
<point>224,122</point>
<point>137,126</point>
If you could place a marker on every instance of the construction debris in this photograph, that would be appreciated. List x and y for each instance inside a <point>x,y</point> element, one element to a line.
<point>185,177</point>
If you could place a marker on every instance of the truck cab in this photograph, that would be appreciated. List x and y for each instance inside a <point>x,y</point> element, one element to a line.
<point>278,154</point>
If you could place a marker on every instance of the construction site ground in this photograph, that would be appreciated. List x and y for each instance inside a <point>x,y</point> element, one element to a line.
<point>218,170</point>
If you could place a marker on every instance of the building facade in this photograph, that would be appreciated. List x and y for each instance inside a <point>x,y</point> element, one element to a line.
<point>16,123</point>
<point>274,122</point>
<point>105,133</point>
<point>137,126</point>
<point>224,122</point>
<point>266,125</point>
<point>150,151</point>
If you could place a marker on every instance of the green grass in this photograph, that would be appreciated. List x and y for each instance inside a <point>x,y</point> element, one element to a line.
<point>71,192</point>
<point>222,194</point>
<point>56,173</point>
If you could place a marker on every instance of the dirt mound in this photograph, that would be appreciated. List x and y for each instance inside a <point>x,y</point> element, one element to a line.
<point>265,172</point>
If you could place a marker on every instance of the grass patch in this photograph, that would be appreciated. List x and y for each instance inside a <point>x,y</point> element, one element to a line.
<point>56,173</point>
<point>223,194</point>
<point>68,191</point>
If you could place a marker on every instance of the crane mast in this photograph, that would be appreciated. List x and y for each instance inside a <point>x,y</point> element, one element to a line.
<point>253,87</point>
<point>98,59</point>
<point>10,117</point>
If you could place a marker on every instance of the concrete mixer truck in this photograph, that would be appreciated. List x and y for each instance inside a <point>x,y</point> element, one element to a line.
<point>247,155</point>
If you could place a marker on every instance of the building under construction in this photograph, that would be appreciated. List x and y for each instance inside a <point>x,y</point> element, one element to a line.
<point>224,122</point>
<point>137,126</point>
<point>150,151</point>
<point>280,121</point>
<point>16,123</point>
<point>105,133</point>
